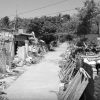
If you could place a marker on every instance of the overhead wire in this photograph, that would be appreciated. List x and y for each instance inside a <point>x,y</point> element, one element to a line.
<point>61,11</point>
<point>43,7</point>
<point>55,12</point>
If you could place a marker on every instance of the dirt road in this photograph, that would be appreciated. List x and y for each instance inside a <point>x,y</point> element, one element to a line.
<point>40,81</point>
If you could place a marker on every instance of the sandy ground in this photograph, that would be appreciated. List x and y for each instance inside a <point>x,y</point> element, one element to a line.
<point>40,81</point>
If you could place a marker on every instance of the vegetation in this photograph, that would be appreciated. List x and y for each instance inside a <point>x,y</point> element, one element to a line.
<point>85,24</point>
<point>81,24</point>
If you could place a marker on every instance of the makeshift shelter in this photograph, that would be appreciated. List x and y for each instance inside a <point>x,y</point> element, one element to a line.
<point>22,39</point>
<point>9,42</point>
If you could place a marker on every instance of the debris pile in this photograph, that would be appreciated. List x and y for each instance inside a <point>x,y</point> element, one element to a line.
<point>18,54</point>
<point>79,74</point>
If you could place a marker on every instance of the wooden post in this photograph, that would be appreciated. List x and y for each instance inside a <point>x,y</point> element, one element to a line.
<point>98,21</point>
<point>24,54</point>
<point>12,49</point>
<point>26,47</point>
<point>58,40</point>
<point>98,41</point>
<point>99,27</point>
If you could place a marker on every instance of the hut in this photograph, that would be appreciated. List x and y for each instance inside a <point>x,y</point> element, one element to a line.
<point>22,39</point>
<point>9,42</point>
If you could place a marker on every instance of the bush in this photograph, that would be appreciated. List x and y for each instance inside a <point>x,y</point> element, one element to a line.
<point>69,37</point>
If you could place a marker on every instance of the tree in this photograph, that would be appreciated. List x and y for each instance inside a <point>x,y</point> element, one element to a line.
<point>49,27</point>
<point>86,14</point>
<point>71,25</point>
<point>66,17</point>
<point>5,22</point>
<point>35,25</point>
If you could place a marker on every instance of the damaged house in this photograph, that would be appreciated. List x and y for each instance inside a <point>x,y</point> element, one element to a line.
<point>9,43</point>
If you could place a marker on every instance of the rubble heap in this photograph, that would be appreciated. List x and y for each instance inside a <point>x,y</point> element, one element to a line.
<point>79,75</point>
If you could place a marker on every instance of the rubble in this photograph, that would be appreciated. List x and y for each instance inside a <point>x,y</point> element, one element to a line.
<point>71,64</point>
<point>26,55</point>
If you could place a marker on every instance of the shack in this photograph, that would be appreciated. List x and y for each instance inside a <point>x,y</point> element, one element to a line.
<point>9,42</point>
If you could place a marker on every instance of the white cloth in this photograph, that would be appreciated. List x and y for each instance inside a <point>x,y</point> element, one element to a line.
<point>98,61</point>
<point>29,59</point>
<point>89,62</point>
<point>33,48</point>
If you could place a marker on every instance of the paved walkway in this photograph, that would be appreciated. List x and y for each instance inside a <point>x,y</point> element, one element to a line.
<point>40,81</point>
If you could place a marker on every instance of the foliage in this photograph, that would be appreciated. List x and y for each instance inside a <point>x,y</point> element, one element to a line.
<point>4,22</point>
<point>83,23</point>
<point>86,15</point>
<point>66,17</point>
<point>69,37</point>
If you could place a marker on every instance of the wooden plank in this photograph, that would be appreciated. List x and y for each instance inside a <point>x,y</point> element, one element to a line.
<point>71,95</point>
<point>76,87</point>
<point>70,76</point>
<point>61,73</point>
<point>81,89</point>
<point>77,92</point>
<point>64,73</point>
<point>73,86</point>
<point>69,73</point>
<point>69,68</point>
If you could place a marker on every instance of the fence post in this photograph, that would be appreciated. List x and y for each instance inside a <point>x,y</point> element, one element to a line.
<point>26,48</point>
<point>12,51</point>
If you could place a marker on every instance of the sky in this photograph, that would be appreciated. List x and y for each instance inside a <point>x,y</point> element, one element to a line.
<point>9,7</point>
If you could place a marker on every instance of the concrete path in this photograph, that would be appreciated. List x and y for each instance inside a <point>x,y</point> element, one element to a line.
<point>40,81</point>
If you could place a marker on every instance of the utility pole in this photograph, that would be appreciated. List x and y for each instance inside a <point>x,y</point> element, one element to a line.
<point>15,32</point>
<point>16,20</point>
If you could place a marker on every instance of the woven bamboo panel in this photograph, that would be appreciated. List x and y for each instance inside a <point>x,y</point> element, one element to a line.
<point>2,62</point>
<point>5,56</point>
